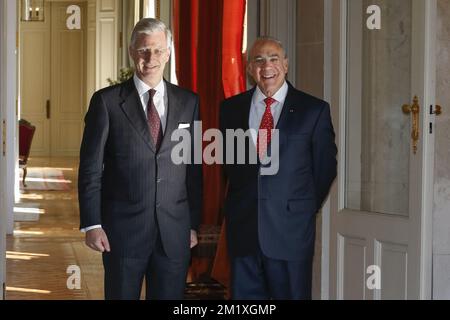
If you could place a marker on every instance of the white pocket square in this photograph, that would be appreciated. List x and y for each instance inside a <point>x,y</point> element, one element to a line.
<point>183,125</point>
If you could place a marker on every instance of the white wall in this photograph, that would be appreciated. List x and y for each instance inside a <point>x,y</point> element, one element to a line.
<point>279,19</point>
<point>107,29</point>
<point>309,75</point>
<point>441,211</point>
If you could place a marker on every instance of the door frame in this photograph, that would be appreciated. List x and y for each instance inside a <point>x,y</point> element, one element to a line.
<point>335,68</point>
<point>10,110</point>
<point>8,163</point>
<point>327,96</point>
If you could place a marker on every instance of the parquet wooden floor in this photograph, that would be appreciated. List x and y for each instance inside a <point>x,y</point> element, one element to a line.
<point>40,252</point>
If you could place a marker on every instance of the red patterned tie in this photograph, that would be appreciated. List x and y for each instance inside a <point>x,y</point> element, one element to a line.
<point>154,122</point>
<point>267,125</point>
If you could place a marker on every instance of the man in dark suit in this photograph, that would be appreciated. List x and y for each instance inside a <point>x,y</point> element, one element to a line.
<point>136,206</point>
<point>271,217</point>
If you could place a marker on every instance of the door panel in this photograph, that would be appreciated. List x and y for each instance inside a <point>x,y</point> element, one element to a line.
<point>53,69</point>
<point>35,80</point>
<point>68,81</point>
<point>378,133</point>
<point>380,215</point>
<point>351,267</point>
<point>393,260</point>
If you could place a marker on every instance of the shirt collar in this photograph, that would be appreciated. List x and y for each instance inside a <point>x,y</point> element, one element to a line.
<point>279,96</point>
<point>142,88</point>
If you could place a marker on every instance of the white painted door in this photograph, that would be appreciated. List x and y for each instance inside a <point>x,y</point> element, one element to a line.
<point>35,80</point>
<point>382,204</point>
<point>68,79</point>
<point>53,80</point>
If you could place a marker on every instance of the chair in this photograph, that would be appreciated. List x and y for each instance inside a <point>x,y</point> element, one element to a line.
<point>26,133</point>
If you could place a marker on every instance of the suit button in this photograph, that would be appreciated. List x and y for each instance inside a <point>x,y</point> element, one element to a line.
<point>158,157</point>
<point>158,204</point>
<point>159,180</point>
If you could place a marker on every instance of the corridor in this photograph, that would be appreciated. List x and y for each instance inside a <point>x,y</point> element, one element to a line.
<point>40,252</point>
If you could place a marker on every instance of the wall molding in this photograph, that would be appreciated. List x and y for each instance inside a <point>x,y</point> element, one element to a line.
<point>108,26</point>
<point>279,19</point>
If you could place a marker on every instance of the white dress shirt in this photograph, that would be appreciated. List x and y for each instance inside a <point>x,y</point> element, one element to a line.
<point>258,107</point>
<point>159,99</point>
<point>161,103</point>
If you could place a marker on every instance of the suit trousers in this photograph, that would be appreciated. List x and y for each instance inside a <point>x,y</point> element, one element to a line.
<point>258,277</point>
<point>165,278</point>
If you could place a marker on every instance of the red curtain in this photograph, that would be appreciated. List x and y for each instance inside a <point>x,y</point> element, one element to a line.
<point>208,46</point>
<point>233,78</point>
<point>211,94</point>
<point>233,73</point>
<point>185,30</point>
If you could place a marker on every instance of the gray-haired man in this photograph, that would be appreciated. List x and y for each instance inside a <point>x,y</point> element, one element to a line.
<point>136,206</point>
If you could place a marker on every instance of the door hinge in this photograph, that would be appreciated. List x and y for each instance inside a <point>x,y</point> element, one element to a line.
<point>4,291</point>
<point>437,110</point>
<point>4,138</point>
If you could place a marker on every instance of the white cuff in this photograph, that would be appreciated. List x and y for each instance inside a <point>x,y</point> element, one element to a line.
<point>97,226</point>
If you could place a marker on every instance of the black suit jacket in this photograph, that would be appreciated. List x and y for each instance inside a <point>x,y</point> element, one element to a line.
<point>277,212</point>
<point>126,185</point>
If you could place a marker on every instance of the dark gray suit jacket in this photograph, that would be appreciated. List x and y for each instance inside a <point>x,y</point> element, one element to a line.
<point>127,186</point>
<point>277,213</point>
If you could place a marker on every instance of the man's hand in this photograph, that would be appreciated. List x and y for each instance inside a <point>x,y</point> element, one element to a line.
<point>97,240</point>
<point>194,240</point>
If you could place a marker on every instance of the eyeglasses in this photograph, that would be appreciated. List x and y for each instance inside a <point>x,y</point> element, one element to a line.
<point>259,61</point>
<point>156,52</point>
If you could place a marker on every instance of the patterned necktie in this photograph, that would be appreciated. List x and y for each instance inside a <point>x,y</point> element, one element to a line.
<point>266,125</point>
<point>154,122</point>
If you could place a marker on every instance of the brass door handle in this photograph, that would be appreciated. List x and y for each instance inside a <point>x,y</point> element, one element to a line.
<point>413,109</point>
